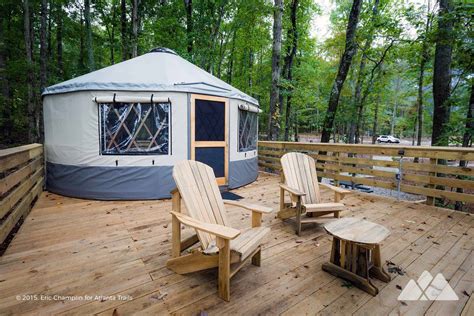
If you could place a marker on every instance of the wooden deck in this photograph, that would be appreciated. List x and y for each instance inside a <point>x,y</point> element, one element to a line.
<point>80,248</point>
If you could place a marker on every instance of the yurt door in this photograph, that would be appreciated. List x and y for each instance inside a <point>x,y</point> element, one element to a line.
<point>209,136</point>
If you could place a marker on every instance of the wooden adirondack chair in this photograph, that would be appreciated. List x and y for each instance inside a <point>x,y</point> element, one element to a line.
<point>220,244</point>
<point>300,180</point>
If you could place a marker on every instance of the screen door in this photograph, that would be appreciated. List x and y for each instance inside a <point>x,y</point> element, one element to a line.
<point>209,125</point>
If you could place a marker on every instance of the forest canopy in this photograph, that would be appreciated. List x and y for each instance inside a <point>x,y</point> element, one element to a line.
<point>404,65</point>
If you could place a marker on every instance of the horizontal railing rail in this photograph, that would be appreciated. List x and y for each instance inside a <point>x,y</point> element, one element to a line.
<point>21,182</point>
<point>434,172</point>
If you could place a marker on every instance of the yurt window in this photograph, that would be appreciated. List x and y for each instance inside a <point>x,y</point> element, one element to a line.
<point>135,128</point>
<point>248,122</point>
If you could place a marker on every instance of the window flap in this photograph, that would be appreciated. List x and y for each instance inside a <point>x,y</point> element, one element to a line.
<point>129,99</point>
<point>250,108</point>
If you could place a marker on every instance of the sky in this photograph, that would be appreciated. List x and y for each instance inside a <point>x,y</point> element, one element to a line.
<point>321,25</point>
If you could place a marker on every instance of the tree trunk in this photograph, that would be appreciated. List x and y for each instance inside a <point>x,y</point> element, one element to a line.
<point>109,25</point>
<point>344,65</point>
<point>214,36</point>
<point>290,58</point>
<point>274,110</point>
<point>394,115</point>
<point>395,106</point>
<point>43,65</point>
<point>134,28</point>
<point>467,138</point>
<point>32,132</point>
<point>123,29</point>
<point>358,104</point>
<point>188,5</point>
<point>423,60</point>
<point>49,33</point>
<point>230,68</point>
<point>376,119</point>
<point>82,57</point>
<point>419,101</point>
<point>59,41</point>
<point>112,39</point>
<point>376,69</point>
<point>250,69</point>
<point>442,74</point>
<point>43,44</point>
<point>223,53</point>
<point>5,84</point>
<point>89,45</point>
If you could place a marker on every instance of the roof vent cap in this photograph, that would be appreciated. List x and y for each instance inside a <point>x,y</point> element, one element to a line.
<point>163,50</point>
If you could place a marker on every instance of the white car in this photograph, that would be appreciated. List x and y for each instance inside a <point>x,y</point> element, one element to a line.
<point>387,139</point>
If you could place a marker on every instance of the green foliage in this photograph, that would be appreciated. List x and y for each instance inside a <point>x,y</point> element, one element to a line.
<point>232,40</point>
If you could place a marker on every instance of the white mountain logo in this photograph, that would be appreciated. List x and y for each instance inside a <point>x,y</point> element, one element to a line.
<point>428,288</point>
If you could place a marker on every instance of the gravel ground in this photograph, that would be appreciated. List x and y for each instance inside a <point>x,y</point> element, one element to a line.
<point>391,193</point>
<point>394,194</point>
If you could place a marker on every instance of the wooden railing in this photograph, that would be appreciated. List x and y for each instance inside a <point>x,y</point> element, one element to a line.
<point>21,181</point>
<point>437,173</point>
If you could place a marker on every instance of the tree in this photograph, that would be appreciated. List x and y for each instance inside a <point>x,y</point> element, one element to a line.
<point>43,62</point>
<point>376,70</point>
<point>469,130</point>
<point>49,32</point>
<point>4,80</point>
<point>135,4</point>
<point>43,44</point>
<point>467,138</point>
<point>234,42</point>
<point>33,121</point>
<point>425,55</point>
<point>108,14</point>
<point>188,5</point>
<point>59,41</point>
<point>442,74</point>
<point>123,29</point>
<point>288,64</point>
<point>396,92</point>
<point>274,112</point>
<point>344,65</point>
<point>358,105</point>
<point>376,119</point>
<point>89,44</point>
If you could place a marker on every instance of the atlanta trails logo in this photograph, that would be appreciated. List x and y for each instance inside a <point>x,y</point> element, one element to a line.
<point>428,288</point>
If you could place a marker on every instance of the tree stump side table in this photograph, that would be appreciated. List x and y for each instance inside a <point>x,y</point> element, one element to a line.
<point>355,254</point>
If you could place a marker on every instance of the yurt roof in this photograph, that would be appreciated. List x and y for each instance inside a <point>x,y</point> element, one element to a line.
<point>159,70</point>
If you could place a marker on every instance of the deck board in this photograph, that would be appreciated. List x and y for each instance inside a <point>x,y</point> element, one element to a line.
<point>70,246</point>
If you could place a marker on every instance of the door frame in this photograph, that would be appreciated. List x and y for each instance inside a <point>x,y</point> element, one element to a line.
<point>200,144</point>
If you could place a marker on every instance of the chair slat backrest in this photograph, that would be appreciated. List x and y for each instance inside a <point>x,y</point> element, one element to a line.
<point>198,188</point>
<point>300,173</point>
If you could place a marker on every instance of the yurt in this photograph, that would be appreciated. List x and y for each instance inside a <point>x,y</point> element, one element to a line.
<point>115,133</point>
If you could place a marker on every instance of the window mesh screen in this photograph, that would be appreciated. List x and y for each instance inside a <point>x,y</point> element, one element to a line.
<point>248,123</point>
<point>134,128</point>
<point>213,157</point>
<point>210,120</point>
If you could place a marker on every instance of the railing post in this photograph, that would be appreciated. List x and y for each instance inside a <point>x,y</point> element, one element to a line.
<point>430,200</point>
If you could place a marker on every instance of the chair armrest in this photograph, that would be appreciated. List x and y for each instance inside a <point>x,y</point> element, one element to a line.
<point>335,189</point>
<point>250,207</point>
<point>292,190</point>
<point>214,229</point>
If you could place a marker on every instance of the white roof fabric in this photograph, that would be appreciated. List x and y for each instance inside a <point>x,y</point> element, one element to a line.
<point>159,70</point>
